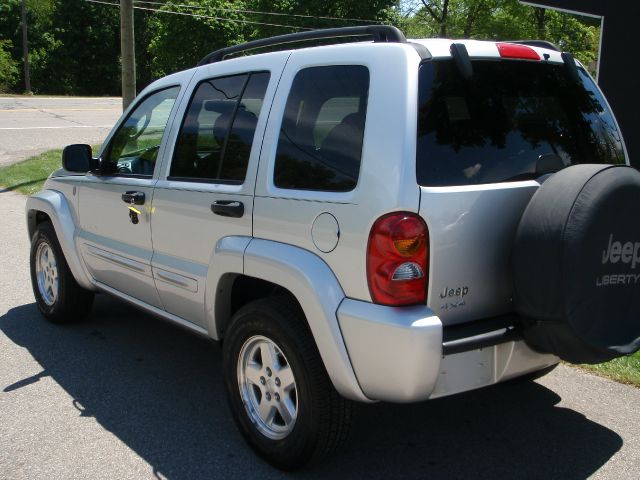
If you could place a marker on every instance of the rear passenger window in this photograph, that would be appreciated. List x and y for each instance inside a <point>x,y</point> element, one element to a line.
<point>215,139</point>
<point>320,143</point>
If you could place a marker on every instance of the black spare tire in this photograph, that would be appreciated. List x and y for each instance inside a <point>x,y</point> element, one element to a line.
<point>576,264</point>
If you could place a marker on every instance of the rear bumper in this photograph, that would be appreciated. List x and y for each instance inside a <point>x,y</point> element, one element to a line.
<point>404,354</point>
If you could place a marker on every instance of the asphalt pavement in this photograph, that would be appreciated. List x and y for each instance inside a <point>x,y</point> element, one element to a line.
<point>127,396</point>
<point>31,125</point>
<point>124,395</point>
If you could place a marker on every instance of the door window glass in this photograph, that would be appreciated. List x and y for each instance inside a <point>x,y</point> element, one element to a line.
<point>320,143</point>
<point>134,147</point>
<point>215,139</point>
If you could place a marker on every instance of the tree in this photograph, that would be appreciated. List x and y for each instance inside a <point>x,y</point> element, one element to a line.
<point>503,20</point>
<point>539,15</point>
<point>40,38</point>
<point>180,41</point>
<point>9,71</point>
<point>438,10</point>
<point>453,18</point>
<point>84,57</point>
<point>74,45</point>
<point>475,14</point>
<point>316,14</point>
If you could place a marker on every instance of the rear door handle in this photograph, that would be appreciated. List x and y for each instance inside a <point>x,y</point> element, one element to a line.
<point>228,208</point>
<point>132,197</point>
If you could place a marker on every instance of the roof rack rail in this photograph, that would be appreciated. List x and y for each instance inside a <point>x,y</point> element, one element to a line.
<point>536,43</point>
<point>379,33</point>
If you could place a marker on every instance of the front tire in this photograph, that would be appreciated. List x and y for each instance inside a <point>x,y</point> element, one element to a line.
<point>280,394</point>
<point>59,297</point>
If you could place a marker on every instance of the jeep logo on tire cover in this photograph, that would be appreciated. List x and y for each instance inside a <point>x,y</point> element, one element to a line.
<point>625,253</point>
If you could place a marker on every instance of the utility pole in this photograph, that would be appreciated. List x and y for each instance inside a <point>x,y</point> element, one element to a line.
<point>25,48</point>
<point>128,54</point>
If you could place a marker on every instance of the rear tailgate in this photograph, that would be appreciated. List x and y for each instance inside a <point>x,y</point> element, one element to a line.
<point>471,230</point>
<point>483,144</point>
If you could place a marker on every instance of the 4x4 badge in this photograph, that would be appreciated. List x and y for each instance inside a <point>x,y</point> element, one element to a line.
<point>447,306</point>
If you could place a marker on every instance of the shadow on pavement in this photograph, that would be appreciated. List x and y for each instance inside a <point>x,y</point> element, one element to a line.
<point>11,188</point>
<point>159,390</point>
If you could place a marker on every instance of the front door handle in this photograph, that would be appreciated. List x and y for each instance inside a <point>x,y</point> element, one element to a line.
<point>133,198</point>
<point>228,208</point>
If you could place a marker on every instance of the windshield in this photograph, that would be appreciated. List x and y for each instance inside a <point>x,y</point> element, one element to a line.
<point>512,120</point>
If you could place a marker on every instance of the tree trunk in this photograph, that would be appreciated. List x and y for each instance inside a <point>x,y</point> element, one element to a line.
<point>443,19</point>
<point>440,16</point>
<point>475,10</point>
<point>539,15</point>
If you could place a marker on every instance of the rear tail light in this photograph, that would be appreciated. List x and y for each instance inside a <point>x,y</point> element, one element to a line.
<point>397,259</point>
<point>512,50</point>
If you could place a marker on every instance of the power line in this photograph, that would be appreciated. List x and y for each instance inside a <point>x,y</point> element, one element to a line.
<point>193,15</point>
<point>360,20</point>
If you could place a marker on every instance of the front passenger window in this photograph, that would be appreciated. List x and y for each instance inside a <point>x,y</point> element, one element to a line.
<point>134,147</point>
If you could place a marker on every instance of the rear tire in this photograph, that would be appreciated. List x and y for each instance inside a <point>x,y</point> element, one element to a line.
<point>292,376</point>
<point>59,297</point>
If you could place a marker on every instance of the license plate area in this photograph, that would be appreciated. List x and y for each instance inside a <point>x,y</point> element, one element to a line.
<point>465,371</point>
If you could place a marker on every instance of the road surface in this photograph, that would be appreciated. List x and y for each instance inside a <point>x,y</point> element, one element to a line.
<point>127,396</point>
<point>31,125</point>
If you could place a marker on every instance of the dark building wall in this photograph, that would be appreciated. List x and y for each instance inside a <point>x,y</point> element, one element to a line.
<point>619,73</point>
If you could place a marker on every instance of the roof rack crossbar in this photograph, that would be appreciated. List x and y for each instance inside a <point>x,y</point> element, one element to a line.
<point>536,43</point>
<point>379,33</point>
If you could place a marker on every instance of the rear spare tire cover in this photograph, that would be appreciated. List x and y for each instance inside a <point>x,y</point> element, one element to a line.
<point>576,264</point>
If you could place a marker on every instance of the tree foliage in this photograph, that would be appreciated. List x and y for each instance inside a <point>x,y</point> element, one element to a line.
<point>8,66</point>
<point>179,41</point>
<point>75,45</point>
<point>40,38</point>
<point>85,50</point>
<point>318,14</point>
<point>502,20</point>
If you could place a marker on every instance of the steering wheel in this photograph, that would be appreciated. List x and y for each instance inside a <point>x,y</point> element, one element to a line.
<point>124,169</point>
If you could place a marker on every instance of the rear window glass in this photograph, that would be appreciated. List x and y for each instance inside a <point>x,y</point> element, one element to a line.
<point>512,120</point>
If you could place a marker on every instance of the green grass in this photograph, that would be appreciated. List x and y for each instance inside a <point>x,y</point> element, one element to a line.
<point>624,369</point>
<point>28,176</point>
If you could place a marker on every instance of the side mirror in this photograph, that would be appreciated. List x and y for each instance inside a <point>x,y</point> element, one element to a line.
<point>77,158</point>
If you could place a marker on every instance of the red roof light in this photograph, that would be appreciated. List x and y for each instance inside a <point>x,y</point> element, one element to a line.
<point>513,50</point>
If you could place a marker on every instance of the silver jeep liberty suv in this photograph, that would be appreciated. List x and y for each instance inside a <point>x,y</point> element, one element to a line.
<point>377,220</point>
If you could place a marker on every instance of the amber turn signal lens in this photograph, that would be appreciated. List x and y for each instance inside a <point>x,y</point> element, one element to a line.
<point>408,246</point>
